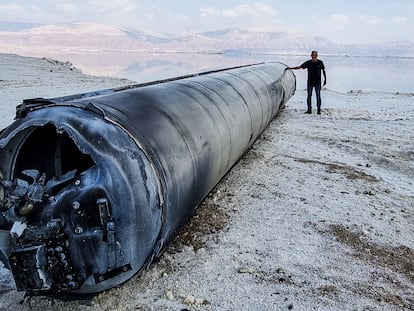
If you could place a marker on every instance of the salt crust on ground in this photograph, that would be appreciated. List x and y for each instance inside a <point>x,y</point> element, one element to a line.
<point>317,215</point>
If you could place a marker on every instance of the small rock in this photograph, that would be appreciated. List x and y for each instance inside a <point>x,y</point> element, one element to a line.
<point>188,248</point>
<point>280,271</point>
<point>369,192</point>
<point>245,270</point>
<point>201,250</point>
<point>199,301</point>
<point>169,295</point>
<point>189,300</point>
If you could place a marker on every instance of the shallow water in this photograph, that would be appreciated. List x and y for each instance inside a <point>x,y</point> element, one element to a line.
<point>344,73</point>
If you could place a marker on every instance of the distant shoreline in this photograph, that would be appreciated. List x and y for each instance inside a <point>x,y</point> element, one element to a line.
<point>345,72</point>
<point>228,52</point>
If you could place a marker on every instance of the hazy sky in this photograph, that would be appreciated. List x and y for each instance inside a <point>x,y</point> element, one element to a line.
<point>346,21</point>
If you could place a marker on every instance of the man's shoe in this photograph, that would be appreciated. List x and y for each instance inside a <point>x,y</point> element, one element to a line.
<point>308,111</point>
<point>319,112</point>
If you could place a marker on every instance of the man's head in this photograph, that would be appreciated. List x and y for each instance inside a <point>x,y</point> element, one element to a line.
<point>314,55</point>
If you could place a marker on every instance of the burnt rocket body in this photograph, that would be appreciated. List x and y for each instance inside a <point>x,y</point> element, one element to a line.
<point>92,186</point>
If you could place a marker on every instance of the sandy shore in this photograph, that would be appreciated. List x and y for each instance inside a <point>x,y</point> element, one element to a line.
<point>317,215</point>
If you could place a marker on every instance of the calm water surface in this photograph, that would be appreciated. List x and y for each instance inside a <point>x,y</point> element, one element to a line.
<point>343,73</point>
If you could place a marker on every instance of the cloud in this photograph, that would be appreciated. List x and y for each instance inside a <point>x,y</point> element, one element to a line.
<point>94,10</point>
<point>119,5</point>
<point>257,16</point>
<point>340,20</point>
<point>403,6</point>
<point>370,20</point>
<point>255,9</point>
<point>343,20</point>
<point>208,11</point>
<point>400,20</point>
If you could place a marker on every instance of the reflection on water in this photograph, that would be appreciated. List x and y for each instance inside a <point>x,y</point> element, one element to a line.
<point>343,73</point>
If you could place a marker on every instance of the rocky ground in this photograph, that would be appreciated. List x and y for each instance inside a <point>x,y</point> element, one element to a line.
<point>317,215</point>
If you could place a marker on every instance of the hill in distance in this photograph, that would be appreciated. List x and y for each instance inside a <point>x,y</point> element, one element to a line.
<point>92,37</point>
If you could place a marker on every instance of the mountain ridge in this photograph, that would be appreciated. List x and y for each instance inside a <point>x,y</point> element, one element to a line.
<point>82,36</point>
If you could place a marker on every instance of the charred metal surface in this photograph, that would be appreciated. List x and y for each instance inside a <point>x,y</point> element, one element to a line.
<point>92,186</point>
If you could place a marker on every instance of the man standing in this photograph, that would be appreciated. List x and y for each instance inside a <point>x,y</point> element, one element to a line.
<point>314,66</point>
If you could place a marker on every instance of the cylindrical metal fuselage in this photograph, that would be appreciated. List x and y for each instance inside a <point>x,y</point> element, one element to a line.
<point>92,186</point>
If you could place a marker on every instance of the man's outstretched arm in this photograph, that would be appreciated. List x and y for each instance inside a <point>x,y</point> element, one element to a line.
<point>293,68</point>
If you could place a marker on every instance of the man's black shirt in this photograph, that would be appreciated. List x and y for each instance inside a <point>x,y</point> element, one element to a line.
<point>314,71</point>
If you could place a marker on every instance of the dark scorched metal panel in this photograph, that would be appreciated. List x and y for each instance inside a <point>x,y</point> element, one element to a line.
<point>92,186</point>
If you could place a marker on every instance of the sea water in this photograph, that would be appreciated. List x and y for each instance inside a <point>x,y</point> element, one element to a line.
<point>344,73</point>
